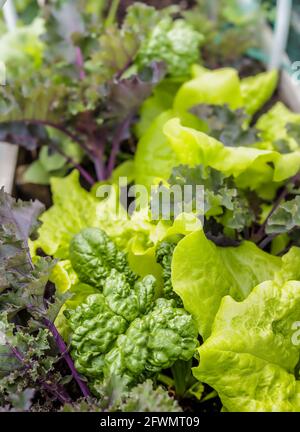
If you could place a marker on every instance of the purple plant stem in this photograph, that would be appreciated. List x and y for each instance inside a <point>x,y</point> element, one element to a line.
<point>62,396</point>
<point>116,145</point>
<point>65,354</point>
<point>97,154</point>
<point>57,126</point>
<point>99,168</point>
<point>80,63</point>
<point>267,240</point>
<point>74,138</point>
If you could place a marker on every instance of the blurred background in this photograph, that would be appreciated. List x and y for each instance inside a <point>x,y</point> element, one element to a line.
<point>23,12</point>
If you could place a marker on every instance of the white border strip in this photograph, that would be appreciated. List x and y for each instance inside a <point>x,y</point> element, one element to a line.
<point>8,152</point>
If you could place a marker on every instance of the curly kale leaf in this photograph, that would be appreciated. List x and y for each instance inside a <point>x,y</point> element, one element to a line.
<point>164,255</point>
<point>21,282</point>
<point>118,47</point>
<point>114,396</point>
<point>26,363</point>
<point>174,42</point>
<point>17,218</point>
<point>143,398</point>
<point>222,199</point>
<point>285,218</point>
<point>226,125</point>
<point>27,309</point>
<point>94,255</point>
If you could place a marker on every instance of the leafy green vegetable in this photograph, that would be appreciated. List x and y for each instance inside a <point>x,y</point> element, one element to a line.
<point>93,255</point>
<point>164,255</point>
<point>27,311</point>
<point>273,125</point>
<point>113,396</point>
<point>250,166</point>
<point>229,27</point>
<point>217,87</point>
<point>221,199</point>
<point>108,292</point>
<point>143,398</point>
<point>154,158</point>
<point>138,350</point>
<point>203,273</point>
<point>250,358</point>
<point>212,89</point>
<point>175,43</point>
<point>75,209</point>
<point>160,101</point>
<point>22,50</point>
<point>119,47</point>
<point>226,125</point>
<point>120,331</point>
<point>24,361</point>
<point>257,90</point>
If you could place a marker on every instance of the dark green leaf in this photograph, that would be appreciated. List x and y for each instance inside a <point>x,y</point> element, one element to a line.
<point>285,217</point>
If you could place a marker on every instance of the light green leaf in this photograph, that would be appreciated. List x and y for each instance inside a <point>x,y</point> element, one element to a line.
<point>161,100</point>
<point>250,166</point>
<point>217,87</point>
<point>257,90</point>
<point>37,174</point>
<point>203,273</point>
<point>250,357</point>
<point>22,49</point>
<point>75,209</point>
<point>175,43</point>
<point>273,124</point>
<point>51,161</point>
<point>154,158</point>
<point>63,276</point>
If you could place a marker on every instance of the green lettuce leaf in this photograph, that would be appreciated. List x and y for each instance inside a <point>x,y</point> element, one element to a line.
<point>276,129</point>
<point>161,100</point>
<point>257,90</point>
<point>22,49</point>
<point>175,43</point>
<point>250,357</point>
<point>253,167</point>
<point>154,158</point>
<point>75,209</point>
<point>203,273</point>
<point>273,124</point>
<point>250,166</point>
<point>217,87</point>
